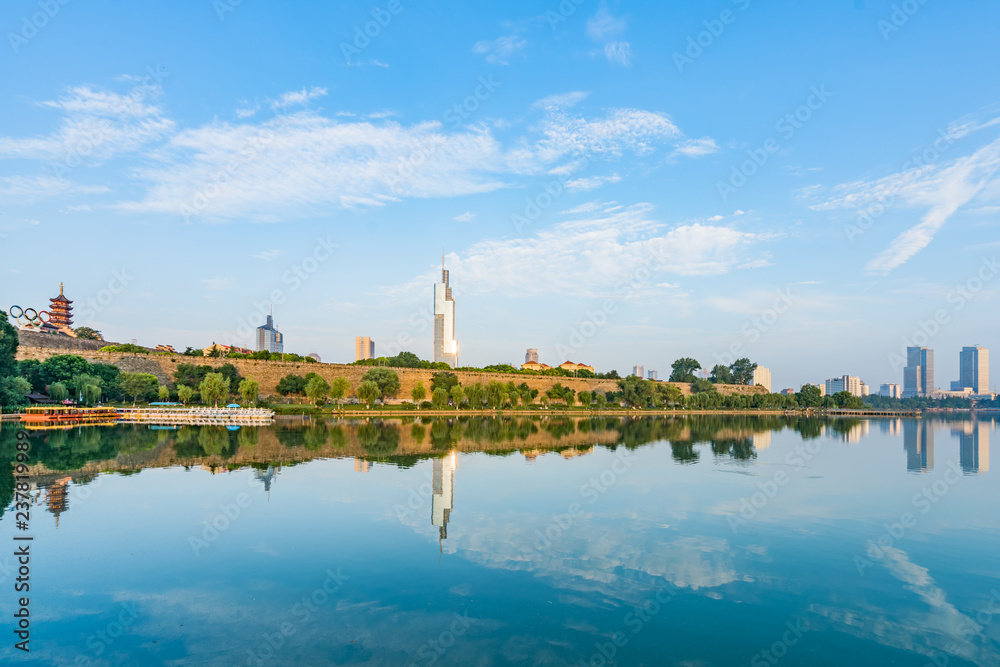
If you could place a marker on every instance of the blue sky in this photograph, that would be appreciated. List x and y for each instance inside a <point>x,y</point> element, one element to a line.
<point>587,168</point>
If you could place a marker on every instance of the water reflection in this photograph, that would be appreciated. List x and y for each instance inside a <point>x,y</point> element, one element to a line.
<point>974,450</point>
<point>918,441</point>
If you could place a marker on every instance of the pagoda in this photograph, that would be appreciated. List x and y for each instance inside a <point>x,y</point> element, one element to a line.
<point>61,311</point>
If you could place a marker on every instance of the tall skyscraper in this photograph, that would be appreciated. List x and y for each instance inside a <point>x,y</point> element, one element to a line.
<point>445,345</point>
<point>531,356</point>
<point>638,371</point>
<point>974,369</point>
<point>364,348</point>
<point>890,391</point>
<point>269,338</point>
<point>918,376</point>
<point>762,376</point>
<point>652,375</point>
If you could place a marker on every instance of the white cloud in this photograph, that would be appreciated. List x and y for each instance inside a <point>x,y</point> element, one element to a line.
<point>499,50</point>
<point>298,97</point>
<point>587,184</point>
<point>96,126</point>
<point>218,284</point>
<point>715,218</point>
<point>465,217</point>
<point>697,147</point>
<point>603,26</point>
<point>942,189</point>
<point>247,112</point>
<point>268,255</point>
<point>31,188</point>
<point>618,53</point>
<point>590,255</point>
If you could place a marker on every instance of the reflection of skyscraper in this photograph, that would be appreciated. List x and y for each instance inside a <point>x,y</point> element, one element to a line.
<point>266,477</point>
<point>974,447</point>
<point>445,345</point>
<point>442,486</point>
<point>918,441</point>
<point>360,465</point>
<point>761,440</point>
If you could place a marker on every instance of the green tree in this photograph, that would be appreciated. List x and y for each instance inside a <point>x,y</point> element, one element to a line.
<point>457,395</point>
<point>476,394</point>
<point>809,396</point>
<point>742,370</point>
<point>88,387</point>
<point>439,398</point>
<point>249,390</point>
<point>495,394</point>
<point>386,379</point>
<point>721,374</point>
<point>138,385</point>
<point>636,392</point>
<point>419,393</point>
<point>214,388</point>
<point>58,392</point>
<point>184,393</point>
<point>317,388</point>
<point>369,392</point>
<point>338,389</point>
<point>87,333</point>
<point>444,380</point>
<point>164,392</point>
<point>683,370</point>
<point>14,391</point>
<point>585,398</point>
<point>8,347</point>
<point>291,384</point>
<point>601,400</point>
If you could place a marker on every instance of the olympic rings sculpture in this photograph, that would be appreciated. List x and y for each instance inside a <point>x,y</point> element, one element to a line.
<point>29,318</point>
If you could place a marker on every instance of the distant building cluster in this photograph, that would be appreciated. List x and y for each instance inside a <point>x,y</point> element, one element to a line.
<point>849,383</point>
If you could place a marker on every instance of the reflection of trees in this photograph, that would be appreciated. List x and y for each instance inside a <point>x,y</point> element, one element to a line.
<point>741,449</point>
<point>418,433</point>
<point>213,439</point>
<point>683,451</point>
<point>337,437</point>
<point>316,437</point>
<point>247,437</point>
<point>378,438</point>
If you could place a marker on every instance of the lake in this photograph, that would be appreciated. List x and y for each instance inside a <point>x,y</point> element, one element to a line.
<point>703,540</point>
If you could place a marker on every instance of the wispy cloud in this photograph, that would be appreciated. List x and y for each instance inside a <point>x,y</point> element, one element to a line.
<point>465,217</point>
<point>498,51</point>
<point>28,189</point>
<point>268,255</point>
<point>605,29</point>
<point>218,284</point>
<point>591,183</point>
<point>298,97</point>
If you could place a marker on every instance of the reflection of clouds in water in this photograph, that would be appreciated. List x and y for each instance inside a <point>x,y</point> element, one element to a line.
<point>939,628</point>
<point>619,556</point>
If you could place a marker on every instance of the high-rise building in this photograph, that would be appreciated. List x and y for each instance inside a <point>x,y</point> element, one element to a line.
<point>918,376</point>
<point>364,348</point>
<point>762,377</point>
<point>849,383</point>
<point>269,338</point>
<point>445,345</point>
<point>652,375</point>
<point>638,371</point>
<point>531,356</point>
<point>974,370</point>
<point>890,391</point>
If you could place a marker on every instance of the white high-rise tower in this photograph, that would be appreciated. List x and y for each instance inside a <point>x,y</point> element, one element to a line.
<point>445,345</point>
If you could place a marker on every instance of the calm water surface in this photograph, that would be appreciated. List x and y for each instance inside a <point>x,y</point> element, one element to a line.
<point>683,541</point>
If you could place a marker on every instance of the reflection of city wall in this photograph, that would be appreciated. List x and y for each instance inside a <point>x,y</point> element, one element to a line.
<point>268,373</point>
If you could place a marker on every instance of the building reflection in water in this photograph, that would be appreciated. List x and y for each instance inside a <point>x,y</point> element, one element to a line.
<point>890,426</point>
<point>918,441</point>
<point>57,497</point>
<point>761,440</point>
<point>266,477</point>
<point>443,489</point>
<point>974,446</point>
<point>360,465</point>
